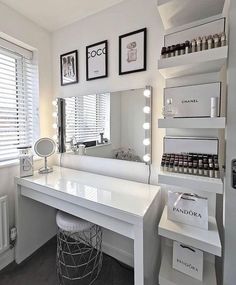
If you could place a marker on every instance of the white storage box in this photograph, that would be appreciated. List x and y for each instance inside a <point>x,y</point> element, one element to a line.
<point>188,209</point>
<point>188,260</point>
<point>191,145</point>
<point>210,28</point>
<point>193,100</point>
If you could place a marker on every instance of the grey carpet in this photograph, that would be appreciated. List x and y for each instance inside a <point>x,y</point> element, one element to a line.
<point>40,269</point>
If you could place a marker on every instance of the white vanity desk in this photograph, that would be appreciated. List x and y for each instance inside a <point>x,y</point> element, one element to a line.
<point>128,208</point>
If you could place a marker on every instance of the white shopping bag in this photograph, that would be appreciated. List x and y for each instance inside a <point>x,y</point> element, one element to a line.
<point>188,260</point>
<point>188,209</point>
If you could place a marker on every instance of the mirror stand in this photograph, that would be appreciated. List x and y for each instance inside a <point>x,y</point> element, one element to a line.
<point>46,169</point>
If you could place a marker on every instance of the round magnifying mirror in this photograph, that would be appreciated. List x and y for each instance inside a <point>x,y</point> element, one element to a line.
<point>45,147</point>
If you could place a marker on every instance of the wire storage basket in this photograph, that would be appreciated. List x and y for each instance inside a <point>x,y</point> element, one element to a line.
<point>79,255</point>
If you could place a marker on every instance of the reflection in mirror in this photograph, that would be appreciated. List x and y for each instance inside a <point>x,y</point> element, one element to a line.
<point>111,125</point>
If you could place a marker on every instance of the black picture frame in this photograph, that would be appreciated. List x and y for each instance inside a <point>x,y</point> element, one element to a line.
<point>71,67</point>
<point>144,65</point>
<point>101,52</point>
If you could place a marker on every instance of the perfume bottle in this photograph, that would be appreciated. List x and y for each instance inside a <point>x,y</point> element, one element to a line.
<point>168,110</point>
<point>132,52</point>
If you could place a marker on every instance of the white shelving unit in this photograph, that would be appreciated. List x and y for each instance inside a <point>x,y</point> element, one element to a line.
<point>192,123</point>
<point>205,240</point>
<point>170,276</point>
<point>206,61</point>
<point>191,182</point>
<point>192,11</point>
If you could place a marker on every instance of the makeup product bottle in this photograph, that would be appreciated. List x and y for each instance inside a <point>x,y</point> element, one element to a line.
<point>182,49</point>
<point>210,42</point>
<point>206,170</point>
<point>190,167</point>
<point>199,44</point>
<point>163,52</point>
<point>187,47</point>
<point>185,167</point>
<point>176,164</point>
<point>223,39</point>
<point>217,171</point>
<point>211,170</point>
<point>216,41</point>
<point>193,45</point>
<point>171,167</point>
<point>181,166</point>
<point>162,165</point>
<point>204,43</point>
<point>214,107</point>
<point>200,170</point>
<point>168,52</point>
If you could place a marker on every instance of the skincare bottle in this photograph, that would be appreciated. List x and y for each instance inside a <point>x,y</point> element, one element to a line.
<point>214,107</point>
<point>199,44</point>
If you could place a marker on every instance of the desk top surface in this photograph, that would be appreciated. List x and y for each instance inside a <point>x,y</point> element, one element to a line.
<point>124,195</point>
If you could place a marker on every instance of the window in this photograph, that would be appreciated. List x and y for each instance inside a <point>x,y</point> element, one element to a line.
<point>19,122</point>
<point>88,116</point>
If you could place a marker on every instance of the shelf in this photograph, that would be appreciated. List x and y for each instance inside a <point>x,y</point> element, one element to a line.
<point>192,123</point>
<point>205,240</point>
<point>190,11</point>
<point>194,63</point>
<point>170,276</point>
<point>191,182</point>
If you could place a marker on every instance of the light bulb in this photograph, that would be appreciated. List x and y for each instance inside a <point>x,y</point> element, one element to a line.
<point>54,114</point>
<point>54,102</point>
<point>147,110</point>
<point>146,142</point>
<point>146,126</point>
<point>54,126</point>
<point>146,157</point>
<point>147,93</point>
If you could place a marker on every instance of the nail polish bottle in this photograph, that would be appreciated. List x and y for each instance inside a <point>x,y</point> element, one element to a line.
<point>216,41</point>
<point>185,167</point>
<point>180,166</point>
<point>199,44</point>
<point>182,49</point>
<point>187,47</point>
<point>206,170</point>
<point>176,164</point>
<point>190,167</point>
<point>217,171</point>
<point>223,39</point>
<point>211,170</point>
<point>163,52</point>
<point>193,45</point>
<point>168,52</point>
<point>200,170</point>
<point>210,42</point>
<point>204,43</point>
<point>172,51</point>
<point>171,167</point>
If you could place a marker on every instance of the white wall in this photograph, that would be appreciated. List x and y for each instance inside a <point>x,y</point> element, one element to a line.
<point>109,24</point>
<point>17,28</point>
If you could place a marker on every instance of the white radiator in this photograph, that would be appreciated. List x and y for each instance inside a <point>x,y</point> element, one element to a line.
<point>4,224</point>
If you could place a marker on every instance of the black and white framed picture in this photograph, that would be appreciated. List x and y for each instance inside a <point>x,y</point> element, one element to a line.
<point>132,52</point>
<point>97,61</point>
<point>69,68</point>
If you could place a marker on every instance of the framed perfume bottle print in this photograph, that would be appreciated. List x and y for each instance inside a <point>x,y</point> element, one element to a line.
<point>97,61</point>
<point>69,68</point>
<point>132,52</point>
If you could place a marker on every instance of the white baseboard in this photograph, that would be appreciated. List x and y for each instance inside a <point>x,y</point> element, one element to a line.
<point>119,254</point>
<point>7,257</point>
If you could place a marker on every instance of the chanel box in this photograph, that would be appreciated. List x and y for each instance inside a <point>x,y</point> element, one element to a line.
<point>191,145</point>
<point>188,209</point>
<point>188,260</point>
<point>206,29</point>
<point>193,100</point>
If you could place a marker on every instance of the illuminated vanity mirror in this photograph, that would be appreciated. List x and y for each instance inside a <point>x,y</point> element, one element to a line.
<point>114,125</point>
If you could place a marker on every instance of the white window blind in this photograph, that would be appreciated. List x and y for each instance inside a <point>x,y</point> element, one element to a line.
<point>19,122</point>
<point>88,116</point>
